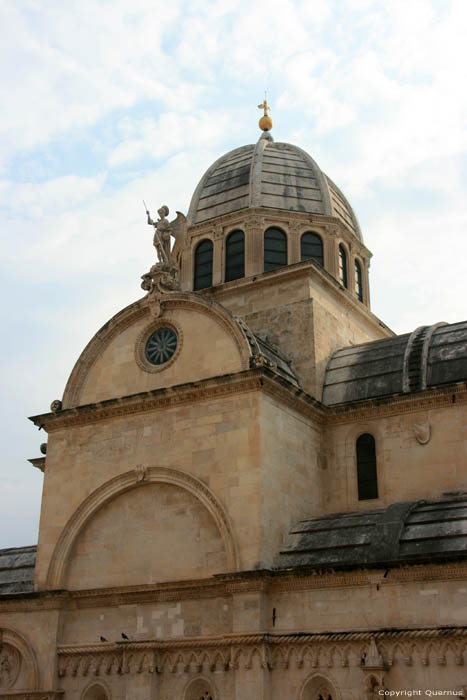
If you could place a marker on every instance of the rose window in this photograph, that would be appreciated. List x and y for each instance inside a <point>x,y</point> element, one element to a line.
<point>161,346</point>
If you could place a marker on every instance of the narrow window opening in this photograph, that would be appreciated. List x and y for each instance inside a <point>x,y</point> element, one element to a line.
<point>275,249</point>
<point>358,281</point>
<point>343,266</point>
<point>366,468</point>
<point>235,256</point>
<point>311,247</point>
<point>203,265</point>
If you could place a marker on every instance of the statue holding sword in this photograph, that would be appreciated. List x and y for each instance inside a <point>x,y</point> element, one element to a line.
<point>163,229</point>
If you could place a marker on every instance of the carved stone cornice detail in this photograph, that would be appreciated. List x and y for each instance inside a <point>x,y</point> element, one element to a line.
<point>369,650</point>
<point>226,585</point>
<point>156,399</point>
<point>396,405</point>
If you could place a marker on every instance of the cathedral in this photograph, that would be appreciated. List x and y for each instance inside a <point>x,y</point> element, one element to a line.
<point>253,489</point>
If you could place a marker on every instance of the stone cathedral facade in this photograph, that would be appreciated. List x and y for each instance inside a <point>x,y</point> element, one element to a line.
<point>253,489</point>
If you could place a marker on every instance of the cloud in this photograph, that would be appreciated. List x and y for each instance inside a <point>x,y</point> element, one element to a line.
<point>171,133</point>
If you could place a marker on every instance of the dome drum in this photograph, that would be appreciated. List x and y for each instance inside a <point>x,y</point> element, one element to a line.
<point>296,227</point>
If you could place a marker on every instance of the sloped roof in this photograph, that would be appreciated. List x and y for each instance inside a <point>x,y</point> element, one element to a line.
<point>272,175</point>
<point>403,533</point>
<point>429,356</point>
<point>17,570</point>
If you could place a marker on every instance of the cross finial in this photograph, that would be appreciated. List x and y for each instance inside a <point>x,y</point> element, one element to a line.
<point>264,106</point>
<point>265,123</point>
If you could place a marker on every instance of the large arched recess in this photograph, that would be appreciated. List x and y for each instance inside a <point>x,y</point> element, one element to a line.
<point>138,478</point>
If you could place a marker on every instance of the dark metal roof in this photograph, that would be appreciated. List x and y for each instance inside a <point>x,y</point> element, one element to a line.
<point>271,175</point>
<point>428,357</point>
<point>403,533</point>
<point>17,570</point>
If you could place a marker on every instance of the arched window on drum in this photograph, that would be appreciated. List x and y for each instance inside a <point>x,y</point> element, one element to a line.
<point>343,266</point>
<point>203,265</point>
<point>367,477</point>
<point>235,256</point>
<point>275,249</point>
<point>311,247</point>
<point>358,281</point>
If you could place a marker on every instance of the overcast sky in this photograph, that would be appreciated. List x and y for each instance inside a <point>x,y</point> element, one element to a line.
<point>108,102</point>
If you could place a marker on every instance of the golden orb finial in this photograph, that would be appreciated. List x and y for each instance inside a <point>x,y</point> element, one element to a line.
<point>265,123</point>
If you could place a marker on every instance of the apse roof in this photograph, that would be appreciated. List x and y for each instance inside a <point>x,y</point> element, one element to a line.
<point>17,569</point>
<point>271,175</point>
<point>402,533</point>
<point>429,356</point>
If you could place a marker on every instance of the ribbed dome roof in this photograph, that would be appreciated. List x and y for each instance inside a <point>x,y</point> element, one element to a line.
<point>271,175</point>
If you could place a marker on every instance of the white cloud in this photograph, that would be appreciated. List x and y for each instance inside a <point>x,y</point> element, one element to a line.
<point>171,133</point>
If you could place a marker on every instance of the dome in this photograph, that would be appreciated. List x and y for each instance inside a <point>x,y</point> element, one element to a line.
<point>271,175</point>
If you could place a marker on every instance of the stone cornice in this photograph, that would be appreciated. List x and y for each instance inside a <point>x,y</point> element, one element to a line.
<point>437,397</point>
<point>150,400</point>
<point>228,585</point>
<point>271,216</point>
<point>228,640</point>
<point>258,379</point>
<point>249,380</point>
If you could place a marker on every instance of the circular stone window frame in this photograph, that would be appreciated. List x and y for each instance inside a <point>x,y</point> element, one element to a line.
<point>146,333</point>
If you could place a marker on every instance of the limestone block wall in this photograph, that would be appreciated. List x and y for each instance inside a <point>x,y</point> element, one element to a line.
<point>275,638</point>
<point>306,314</point>
<point>290,459</point>
<point>181,617</point>
<point>216,441</point>
<point>407,470</point>
<point>406,598</point>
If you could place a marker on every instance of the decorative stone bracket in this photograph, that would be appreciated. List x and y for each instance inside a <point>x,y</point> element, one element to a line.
<point>161,279</point>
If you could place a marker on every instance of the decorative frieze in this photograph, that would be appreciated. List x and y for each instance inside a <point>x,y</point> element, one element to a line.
<point>371,651</point>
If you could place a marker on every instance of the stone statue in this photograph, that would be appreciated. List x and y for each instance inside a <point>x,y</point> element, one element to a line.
<point>163,229</point>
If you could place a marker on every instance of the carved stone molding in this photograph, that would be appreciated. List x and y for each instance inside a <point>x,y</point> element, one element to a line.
<point>17,654</point>
<point>153,400</point>
<point>125,482</point>
<point>10,663</point>
<point>271,652</point>
<point>161,279</point>
<point>422,432</point>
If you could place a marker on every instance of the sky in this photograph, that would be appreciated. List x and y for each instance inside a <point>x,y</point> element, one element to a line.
<point>107,102</point>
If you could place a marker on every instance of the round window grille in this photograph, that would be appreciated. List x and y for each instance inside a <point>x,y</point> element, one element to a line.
<point>161,346</point>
